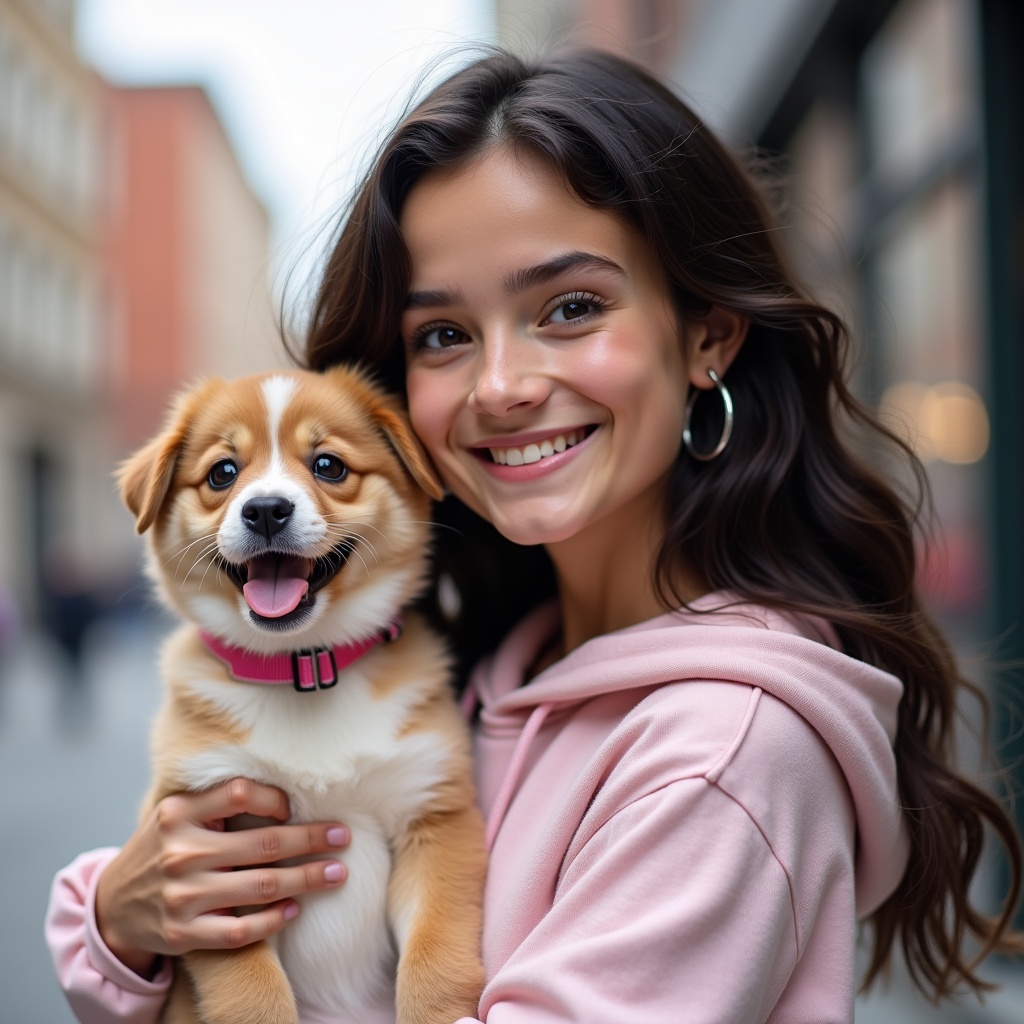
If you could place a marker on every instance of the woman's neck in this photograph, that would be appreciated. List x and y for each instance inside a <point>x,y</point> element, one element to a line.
<point>606,574</point>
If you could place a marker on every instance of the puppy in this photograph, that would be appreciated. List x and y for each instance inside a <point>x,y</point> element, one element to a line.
<point>287,516</point>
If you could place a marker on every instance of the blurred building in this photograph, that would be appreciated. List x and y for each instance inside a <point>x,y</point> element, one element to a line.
<point>55,477</point>
<point>186,253</point>
<point>133,258</point>
<point>901,124</point>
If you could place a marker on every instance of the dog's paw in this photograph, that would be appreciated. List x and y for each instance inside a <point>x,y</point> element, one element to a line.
<point>242,986</point>
<point>262,1008</point>
<point>430,995</point>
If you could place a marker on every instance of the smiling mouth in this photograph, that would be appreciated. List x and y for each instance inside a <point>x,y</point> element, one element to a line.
<point>527,454</point>
<point>279,588</point>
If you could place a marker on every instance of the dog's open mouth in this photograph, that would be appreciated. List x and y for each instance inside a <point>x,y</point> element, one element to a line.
<point>280,588</point>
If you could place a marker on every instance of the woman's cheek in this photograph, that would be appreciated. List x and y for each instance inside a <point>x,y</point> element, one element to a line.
<point>430,420</point>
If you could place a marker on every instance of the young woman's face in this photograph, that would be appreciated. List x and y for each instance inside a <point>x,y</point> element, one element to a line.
<point>545,364</point>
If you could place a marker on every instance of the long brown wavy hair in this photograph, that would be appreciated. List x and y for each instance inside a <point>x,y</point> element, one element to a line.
<point>790,516</point>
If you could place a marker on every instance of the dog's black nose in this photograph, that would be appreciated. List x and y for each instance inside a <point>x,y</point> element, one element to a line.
<point>267,516</point>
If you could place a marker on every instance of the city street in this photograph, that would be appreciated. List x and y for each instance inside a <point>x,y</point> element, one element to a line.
<point>74,766</point>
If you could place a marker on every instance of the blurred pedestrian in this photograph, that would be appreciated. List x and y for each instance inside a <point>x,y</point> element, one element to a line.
<point>10,625</point>
<point>69,607</point>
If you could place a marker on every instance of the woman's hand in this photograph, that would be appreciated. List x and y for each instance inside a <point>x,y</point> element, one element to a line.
<point>172,889</point>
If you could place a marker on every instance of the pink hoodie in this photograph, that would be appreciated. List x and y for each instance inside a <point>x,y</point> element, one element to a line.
<point>687,817</point>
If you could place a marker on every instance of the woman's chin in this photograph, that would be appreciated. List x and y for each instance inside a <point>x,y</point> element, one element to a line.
<point>530,531</point>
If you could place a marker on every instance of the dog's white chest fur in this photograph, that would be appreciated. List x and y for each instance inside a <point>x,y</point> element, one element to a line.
<point>340,755</point>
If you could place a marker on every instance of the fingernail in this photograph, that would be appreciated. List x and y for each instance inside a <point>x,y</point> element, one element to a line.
<point>291,911</point>
<point>334,872</point>
<point>338,836</point>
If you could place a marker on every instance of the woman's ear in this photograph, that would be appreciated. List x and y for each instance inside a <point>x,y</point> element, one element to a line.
<point>713,340</point>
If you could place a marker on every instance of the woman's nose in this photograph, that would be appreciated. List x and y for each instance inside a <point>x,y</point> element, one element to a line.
<point>508,377</point>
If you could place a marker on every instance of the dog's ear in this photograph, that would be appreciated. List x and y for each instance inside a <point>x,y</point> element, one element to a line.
<point>145,477</point>
<point>395,426</point>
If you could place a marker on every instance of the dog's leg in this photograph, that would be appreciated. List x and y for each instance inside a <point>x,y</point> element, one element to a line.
<point>435,902</point>
<point>241,986</point>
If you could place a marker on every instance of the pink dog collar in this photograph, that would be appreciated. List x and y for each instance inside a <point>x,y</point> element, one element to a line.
<point>307,669</point>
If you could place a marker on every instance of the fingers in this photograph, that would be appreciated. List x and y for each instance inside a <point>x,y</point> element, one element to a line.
<point>174,884</point>
<point>251,887</point>
<point>282,842</point>
<point>224,931</point>
<point>200,850</point>
<point>236,796</point>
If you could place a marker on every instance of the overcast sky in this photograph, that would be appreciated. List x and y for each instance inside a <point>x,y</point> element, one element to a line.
<point>303,87</point>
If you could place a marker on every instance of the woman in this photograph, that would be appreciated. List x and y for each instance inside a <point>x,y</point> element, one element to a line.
<point>693,758</point>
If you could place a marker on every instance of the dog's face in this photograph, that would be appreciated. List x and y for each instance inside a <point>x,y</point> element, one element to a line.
<point>285,510</point>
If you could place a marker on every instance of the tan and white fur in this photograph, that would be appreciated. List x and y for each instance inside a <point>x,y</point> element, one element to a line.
<point>384,751</point>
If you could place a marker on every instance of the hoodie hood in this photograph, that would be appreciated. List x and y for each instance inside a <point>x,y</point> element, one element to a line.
<point>851,705</point>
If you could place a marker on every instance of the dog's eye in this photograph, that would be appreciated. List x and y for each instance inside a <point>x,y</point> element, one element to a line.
<point>223,474</point>
<point>330,467</point>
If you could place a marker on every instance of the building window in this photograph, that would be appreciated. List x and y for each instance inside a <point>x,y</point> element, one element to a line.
<point>6,89</point>
<point>921,204</point>
<point>6,289</point>
<point>20,107</point>
<point>19,315</point>
<point>889,166</point>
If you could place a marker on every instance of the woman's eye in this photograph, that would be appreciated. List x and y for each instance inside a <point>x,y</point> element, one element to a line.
<point>572,309</point>
<point>330,467</point>
<point>440,337</point>
<point>222,474</point>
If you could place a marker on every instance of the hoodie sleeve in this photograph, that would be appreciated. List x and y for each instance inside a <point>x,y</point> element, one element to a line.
<point>675,909</point>
<point>100,989</point>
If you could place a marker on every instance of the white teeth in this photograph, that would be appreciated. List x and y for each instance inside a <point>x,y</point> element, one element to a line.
<point>531,453</point>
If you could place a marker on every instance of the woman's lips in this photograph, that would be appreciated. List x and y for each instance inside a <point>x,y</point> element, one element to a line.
<point>520,455</point>
<point>528,456</point>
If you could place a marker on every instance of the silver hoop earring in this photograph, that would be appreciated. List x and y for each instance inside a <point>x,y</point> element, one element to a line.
<point>726,429</point>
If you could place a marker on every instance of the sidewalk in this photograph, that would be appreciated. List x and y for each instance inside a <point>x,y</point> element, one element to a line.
<point>75,767</point>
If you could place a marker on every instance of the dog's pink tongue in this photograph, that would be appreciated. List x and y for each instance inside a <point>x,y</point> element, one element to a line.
<point>276,585</point>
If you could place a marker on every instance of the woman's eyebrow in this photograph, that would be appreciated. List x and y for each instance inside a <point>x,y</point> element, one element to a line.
<point>520,280</point>
<point>437,297</point>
